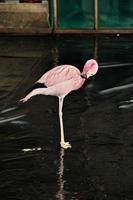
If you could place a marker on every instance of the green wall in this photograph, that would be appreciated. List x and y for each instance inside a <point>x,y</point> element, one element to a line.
<point>115,14</point>
<point>78,14</point>
<point>75,14</point>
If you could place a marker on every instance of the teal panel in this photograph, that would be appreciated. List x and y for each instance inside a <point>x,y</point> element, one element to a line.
<point>75,14</point>
<point>50,13</point>
<point>115,14</point>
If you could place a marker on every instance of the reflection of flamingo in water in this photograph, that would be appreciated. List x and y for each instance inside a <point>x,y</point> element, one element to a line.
<point>60,194</point>
<point>60,81</point>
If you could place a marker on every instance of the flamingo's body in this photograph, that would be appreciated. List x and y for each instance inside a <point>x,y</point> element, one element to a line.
<point>60,81</point>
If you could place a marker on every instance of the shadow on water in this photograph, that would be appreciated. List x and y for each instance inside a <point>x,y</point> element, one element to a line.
<point>97,119</point>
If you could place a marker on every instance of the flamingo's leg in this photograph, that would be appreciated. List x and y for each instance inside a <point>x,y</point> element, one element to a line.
<point>63,144</point>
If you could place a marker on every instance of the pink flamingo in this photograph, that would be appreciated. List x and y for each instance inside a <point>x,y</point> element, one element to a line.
<point>60,81</point>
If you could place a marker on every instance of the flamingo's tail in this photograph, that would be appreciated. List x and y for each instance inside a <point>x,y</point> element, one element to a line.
<point>35,86</point>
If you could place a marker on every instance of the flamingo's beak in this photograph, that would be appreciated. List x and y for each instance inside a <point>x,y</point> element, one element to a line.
<point>89,74</point>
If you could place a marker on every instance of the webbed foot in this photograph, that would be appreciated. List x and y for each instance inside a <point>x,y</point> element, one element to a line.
<point>65,145</point>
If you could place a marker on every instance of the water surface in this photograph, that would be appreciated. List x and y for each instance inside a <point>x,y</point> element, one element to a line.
<point>97,120</point>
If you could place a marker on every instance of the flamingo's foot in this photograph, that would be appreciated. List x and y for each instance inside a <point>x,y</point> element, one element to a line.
<point>23,100</point>
<point>65,145</point>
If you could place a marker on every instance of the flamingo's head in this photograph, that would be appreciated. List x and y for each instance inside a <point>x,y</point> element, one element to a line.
<point>90,68</point>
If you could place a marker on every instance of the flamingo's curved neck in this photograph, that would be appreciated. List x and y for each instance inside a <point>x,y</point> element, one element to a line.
<point>84,76</point>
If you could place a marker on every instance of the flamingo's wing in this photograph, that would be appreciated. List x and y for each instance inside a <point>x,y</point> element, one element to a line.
<point>59,74</point>
<point>63,88</point>
<point>60,89</point>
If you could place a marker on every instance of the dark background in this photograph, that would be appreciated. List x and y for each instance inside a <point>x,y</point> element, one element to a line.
<point>97,120</point>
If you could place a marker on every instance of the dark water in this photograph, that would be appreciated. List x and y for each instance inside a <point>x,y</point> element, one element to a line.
<point>98,121</point>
